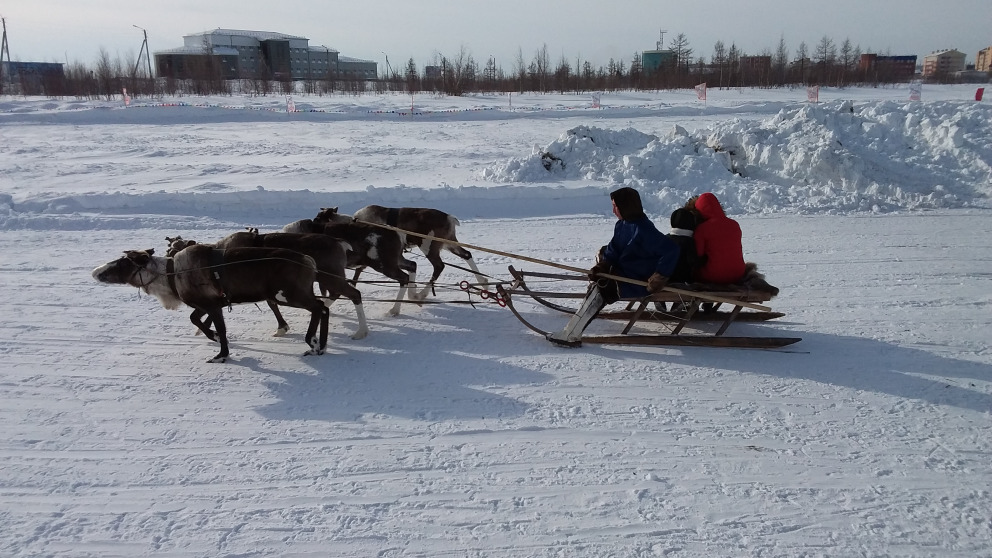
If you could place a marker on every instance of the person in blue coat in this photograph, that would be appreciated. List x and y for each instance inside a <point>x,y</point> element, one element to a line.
<point>637,251</point>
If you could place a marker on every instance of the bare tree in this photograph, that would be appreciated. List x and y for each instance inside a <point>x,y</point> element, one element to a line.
<point>824,57</point>
<point>801,62</point>
<point>734,63</point>
<point>719,60</point>
<point>105,75</point>
<point>847,62</point>
<point>683,55</point>
<point>520,69</point>
<point>780,62</point>
<point>563,73</point>
<point>541,67</point>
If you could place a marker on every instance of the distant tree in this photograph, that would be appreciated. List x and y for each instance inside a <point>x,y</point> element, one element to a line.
<point>734,63</point>
<point>636,71</point>
<point>846,62</point>
<point>780,61</point>
<point>105,75</point>
<point>824,57</point>
<point>563,73</point>
<point>520,69</point>
<point>683,55</point>
<point>719,60</point>
<point>801,62</point>
<point>541,68</point>
<point>412,78</point>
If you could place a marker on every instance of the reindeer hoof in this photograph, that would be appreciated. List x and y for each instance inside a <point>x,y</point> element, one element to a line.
<point>218,358</point>
<point>360,335</point>
<point>280,332</point>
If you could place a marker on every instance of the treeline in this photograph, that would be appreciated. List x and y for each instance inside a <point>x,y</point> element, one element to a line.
<point>728,66</point>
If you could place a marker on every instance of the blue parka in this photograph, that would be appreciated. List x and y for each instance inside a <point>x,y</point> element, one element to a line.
<point>637,250</point>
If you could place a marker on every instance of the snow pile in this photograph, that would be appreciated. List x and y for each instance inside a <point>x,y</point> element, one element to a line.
<point>836,157</point>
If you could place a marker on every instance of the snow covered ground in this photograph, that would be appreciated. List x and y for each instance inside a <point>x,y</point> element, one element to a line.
<point>451,430</point>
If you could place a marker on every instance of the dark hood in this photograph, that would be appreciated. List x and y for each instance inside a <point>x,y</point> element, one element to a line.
<point>684,219</point>
<point>628,203</point>
<point>708,206</point>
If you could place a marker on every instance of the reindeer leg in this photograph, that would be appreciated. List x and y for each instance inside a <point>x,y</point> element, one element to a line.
<point>432,249</point>
<point>202,325</point>
<point>281,326</point>
<point>433,256</point>
<point>467,256</point>
<point>319,317</point>
<point>217,315</point>
<point>395,310</point>
<point>337,286</point>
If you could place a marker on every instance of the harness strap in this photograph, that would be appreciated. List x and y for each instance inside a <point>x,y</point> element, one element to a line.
<point>216,264</point>
<point>170,275</point>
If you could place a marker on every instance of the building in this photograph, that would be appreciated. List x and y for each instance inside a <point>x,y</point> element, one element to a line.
<point>983,60</point>
<point>243,54</point>
<point>32,76</point>
<point>887,68</point>
<point>654,60</point>
<point>943,63</point>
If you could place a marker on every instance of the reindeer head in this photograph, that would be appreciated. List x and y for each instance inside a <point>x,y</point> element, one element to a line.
<point>123,270</point>
<point>330,215</point>
<point>176,245</point>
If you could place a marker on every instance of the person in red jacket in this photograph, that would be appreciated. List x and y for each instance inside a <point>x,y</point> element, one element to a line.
<point>718,243</point>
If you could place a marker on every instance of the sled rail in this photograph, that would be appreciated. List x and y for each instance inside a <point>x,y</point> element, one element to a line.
<point>637,310</point>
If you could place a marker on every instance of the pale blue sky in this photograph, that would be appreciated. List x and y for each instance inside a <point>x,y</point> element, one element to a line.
<point>75,30</point>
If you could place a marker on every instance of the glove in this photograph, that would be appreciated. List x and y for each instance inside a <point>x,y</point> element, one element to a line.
<point>601,267</point>
<point>656,282</point>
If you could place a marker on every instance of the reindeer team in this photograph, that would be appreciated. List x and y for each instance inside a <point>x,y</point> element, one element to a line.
<point>281,268</point>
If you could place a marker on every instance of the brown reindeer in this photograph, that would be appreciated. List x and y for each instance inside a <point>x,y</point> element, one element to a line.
<point>379,249</point>
<point>208,279</point>
<point>437,226</point>
<point>331,257</point>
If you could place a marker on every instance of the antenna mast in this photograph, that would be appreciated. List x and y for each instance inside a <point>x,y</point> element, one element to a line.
<point>660,45</point>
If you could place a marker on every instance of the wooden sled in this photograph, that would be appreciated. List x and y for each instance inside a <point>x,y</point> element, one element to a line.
<point>642,310</point>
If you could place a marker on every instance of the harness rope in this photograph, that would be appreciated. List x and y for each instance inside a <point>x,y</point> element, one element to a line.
<point>681,292</point>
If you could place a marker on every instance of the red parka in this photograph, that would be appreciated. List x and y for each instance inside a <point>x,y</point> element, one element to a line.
<point>718,243</point>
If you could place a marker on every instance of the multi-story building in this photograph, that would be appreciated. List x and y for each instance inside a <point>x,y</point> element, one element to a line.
<point>887,68</point>
<point>943,63</point>
<point>237,53</point>
<point>983,61</point>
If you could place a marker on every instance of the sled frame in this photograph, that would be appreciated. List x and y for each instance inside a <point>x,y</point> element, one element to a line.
<point>641,309</point>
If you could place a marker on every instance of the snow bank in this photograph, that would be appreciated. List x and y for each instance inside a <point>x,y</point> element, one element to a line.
<point>836,157</point>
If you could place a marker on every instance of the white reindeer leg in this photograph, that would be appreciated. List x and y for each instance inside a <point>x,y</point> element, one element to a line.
<point>478,274</point>
<point>412,290</point>
<point>363,326</point>
<point>395,310</point>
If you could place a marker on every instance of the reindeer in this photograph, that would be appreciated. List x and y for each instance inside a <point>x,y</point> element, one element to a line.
<point>437,226</point>
<point>379,249</point>
<point>302,226</point>
<point>208,279</point>
<point>330,256</point>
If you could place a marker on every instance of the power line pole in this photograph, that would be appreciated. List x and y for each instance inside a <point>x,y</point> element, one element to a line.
<point>144,49</point>
<point>4,48</point>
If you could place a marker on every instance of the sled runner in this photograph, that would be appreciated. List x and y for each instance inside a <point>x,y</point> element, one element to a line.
<point>687,298</point>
